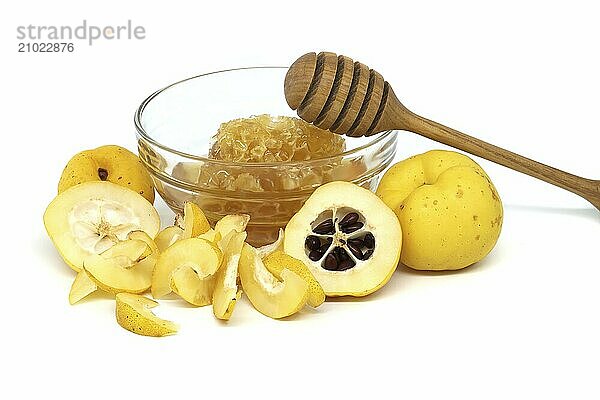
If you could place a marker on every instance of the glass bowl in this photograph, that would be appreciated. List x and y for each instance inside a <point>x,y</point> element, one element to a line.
<point>174,129</point>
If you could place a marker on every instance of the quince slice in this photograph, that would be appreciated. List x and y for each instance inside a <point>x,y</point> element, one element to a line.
<point>197,290</point>
<point>168,236</point>
<point>172,234</point>
<point>133,313</point>
<point>194,221</point>
<point>226,292</point>
<point>145,238</point>
<point>91,217</point>
<point>202,256</point>
<point>82,286</point>
<point>278,261</point>
<point>125,267</point>
<point>271,248</point>
<point>196,285</point>
<point>233,222</point>
<point>114,275</point>
<point>127,251</point>
<point>272,297</point>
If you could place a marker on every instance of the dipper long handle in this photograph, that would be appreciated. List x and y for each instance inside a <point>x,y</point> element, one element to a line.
<point>333,92</point>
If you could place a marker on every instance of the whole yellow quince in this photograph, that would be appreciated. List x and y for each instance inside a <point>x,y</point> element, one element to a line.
<point>450,212</point>
<point>108,163</point>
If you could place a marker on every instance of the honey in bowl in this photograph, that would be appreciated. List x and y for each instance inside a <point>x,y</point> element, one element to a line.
<point>250,149</point>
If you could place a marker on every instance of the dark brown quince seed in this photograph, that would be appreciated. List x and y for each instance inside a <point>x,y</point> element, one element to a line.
<point>325,228</point>
<point>341,254</point>
<point>368,254</point>
<point>356,251</point>
<point>352,227</point>
<point>350,218</point>
<point>331,262</point>
<point>312,243</point>
<point>356,242</point>
<point>369,240</point>
<point>315,255</point>
<point>326,245</point>
<point>346,264</point>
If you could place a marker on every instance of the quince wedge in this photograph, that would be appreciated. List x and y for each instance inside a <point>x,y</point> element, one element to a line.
<point>133,313</point>
<point>82,286</point>
<point>273,297</point>
<point>89,218</point>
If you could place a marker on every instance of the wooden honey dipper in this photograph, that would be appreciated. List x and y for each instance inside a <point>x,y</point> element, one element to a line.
<point>346,97</point>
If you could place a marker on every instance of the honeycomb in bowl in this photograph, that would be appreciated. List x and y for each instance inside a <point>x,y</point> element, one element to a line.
<point>267,139</point>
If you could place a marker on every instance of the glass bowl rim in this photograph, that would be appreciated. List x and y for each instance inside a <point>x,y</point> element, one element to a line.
<point>146,137</point>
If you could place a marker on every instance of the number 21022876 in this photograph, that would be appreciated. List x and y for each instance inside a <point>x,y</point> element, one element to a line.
<point>46,47</point>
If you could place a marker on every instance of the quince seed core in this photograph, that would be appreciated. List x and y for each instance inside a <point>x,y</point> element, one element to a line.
<point>98,224</point>
<point>339,241</point>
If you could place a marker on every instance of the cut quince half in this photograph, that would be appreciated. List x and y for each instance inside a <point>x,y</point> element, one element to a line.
<point>82,286</point>
<point>226,291</point>
<point>200,256</point>
<point>133,313</point>
<point>271,296</point>
<point>348,238</point>
<point>91,217</point>
<point>277,261</point>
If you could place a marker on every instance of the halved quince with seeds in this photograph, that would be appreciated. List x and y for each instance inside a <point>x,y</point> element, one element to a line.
<point>226,291</point>
<point>82,286</point>
<point>273,297</point>
<point>133,313</point>
<point>349,239</point>
<point>201,256</point>
<point>277,261</point>
<point>125,267</point>
<point>91,217</point>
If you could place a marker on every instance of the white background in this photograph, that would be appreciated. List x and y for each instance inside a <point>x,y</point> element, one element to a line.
<point>520,324</point>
